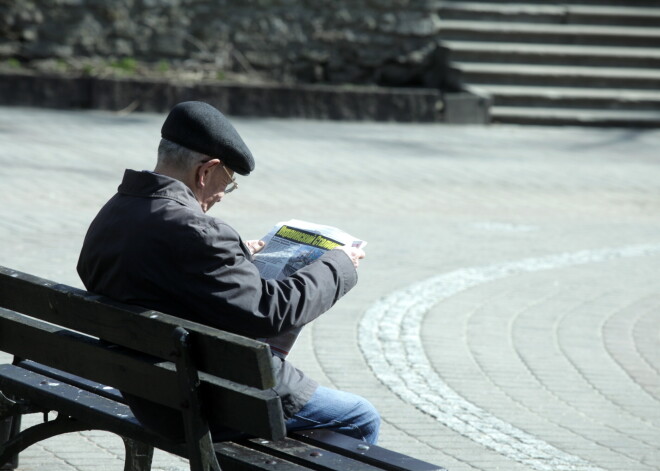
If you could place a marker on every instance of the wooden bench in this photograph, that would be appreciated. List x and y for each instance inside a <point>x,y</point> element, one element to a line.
<point>74,351</point>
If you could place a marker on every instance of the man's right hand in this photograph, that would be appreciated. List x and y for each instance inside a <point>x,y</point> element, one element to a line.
<point>255,246</point>
<point>354,253</point>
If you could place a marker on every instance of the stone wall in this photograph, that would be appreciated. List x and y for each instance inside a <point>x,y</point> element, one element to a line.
<point>383,42</point>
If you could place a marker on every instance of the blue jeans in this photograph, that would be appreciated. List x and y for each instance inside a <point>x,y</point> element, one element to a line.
<point>340,411</point>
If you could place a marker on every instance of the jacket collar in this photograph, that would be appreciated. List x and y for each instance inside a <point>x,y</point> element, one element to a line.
<point>148,184</point>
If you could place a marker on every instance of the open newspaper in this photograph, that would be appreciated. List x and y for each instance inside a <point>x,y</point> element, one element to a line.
<point>290,246</point>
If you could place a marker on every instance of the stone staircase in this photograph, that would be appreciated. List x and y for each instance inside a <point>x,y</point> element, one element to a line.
<point>569,63</point>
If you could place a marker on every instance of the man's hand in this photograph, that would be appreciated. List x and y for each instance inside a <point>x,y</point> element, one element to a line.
<point>354,253</point>
<point>255,246</point>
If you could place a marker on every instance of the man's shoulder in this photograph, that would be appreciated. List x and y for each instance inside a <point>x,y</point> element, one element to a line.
<point>209,226</point>
<point>179,220</point>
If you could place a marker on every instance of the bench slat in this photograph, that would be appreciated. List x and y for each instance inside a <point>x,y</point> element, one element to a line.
<point>233,456</point>
<point>308,455</point>
<point>233,405</point>
<point>356,449</point>
<point>127,325</point>
<point>99,412</point>
<point>92,386</point>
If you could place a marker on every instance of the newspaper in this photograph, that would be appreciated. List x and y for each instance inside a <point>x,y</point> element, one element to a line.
<point>289,246</point>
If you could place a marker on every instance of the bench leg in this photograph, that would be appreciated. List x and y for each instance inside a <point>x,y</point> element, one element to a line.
<point>138,455</point>
<point>9,428</point>
<point>37,433</point>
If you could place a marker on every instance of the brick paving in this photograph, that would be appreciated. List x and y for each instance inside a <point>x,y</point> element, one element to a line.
<point>515,269</point>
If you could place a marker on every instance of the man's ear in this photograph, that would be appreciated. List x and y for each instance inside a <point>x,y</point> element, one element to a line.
<point>204,172</point>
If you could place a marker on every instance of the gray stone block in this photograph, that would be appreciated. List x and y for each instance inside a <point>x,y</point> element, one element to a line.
<point>466,108</point>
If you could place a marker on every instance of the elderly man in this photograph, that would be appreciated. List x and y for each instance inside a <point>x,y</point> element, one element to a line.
<point>153,245</point>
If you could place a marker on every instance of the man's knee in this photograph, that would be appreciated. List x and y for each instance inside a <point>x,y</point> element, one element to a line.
<point>345,412</point>
<point>368,410</point>
<point>369,420</point>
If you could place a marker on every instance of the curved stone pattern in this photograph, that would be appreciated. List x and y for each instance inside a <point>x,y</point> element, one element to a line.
<point>390,339</point>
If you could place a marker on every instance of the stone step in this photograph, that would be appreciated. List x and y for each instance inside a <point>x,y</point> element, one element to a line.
<point>550,34</point>
<point>552,54</point>
<point>554,13</point>
<point>556,97</point>
<point>586,117</point>
<point>556,76</point>
<point>573,63</point>
<point>610,3</point>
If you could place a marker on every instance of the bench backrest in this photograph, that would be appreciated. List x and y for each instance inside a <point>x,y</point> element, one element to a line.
<point>136,350</point>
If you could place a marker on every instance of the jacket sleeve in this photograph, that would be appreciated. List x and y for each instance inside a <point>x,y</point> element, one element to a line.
<point>224,287</point>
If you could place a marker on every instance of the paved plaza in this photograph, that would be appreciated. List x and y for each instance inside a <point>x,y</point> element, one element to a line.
<point>507,315</point>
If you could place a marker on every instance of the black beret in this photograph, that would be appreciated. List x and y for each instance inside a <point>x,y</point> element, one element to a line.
<point>200,127</point>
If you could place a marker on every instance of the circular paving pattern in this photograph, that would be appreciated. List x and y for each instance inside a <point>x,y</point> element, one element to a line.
<point>390,337</point>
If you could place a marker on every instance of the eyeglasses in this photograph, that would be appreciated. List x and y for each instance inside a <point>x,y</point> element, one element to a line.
<point>232,185</point>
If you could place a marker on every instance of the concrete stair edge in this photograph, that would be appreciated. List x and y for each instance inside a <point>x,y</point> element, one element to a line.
<point>552,14</point>
<point>561,116</point>
<point>614,3</point>
<point>510,7</point>
<point>570,92</point>
<point>570,98</point>
<point>558,76</point>
<point>555,70</point>
<point>508,27</point>
<point>567,49</point>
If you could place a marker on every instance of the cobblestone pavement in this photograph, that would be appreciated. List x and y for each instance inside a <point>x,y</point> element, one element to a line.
<point>508,311</point>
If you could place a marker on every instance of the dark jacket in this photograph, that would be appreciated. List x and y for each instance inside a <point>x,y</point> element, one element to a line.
<point>153,246</point>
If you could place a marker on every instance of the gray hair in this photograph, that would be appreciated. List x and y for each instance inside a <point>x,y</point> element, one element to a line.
<point>173,155</point>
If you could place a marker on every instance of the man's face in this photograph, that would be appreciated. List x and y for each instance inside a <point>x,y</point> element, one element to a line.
<point>219,180</point>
